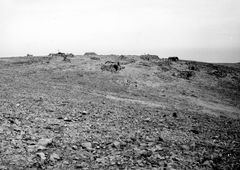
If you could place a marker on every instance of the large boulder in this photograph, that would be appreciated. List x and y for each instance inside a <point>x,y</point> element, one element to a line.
<point>173,59</point>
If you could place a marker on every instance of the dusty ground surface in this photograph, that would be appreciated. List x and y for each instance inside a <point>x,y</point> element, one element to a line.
<point>150,114</point>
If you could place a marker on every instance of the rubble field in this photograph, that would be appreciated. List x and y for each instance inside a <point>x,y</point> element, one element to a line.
<point>118,112</point>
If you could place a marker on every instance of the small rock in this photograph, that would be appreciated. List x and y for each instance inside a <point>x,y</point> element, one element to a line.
<point>174,114</point>
<point>140,163</point>
<point>147,119</point>
<point>74,147</point>
<point>42,156</point>
<point>40,147</point>
<point>161,157</point>
<point>158,148</point>
<point>49,110</point>
<point>143,152</point>
<point>54,157</point>
<point>195,131</point>
<point>207,163</point>
<point>44,142</point>
<point>84,112</point>
<point>3,167</point>
<point>150,139</point>
<point>65,162</point>
<point>31,148</point>
<point>116,144</point>
<point>67,119</point>
<point>146,153</point>
<point>159,139</point>
<point>17,104</point>
<point>101,160</point>
<point>193,145</point>
<point>185,147</point>
<point>87,145</point>
<point>81,165</point>
<point>75,158</point>
<point>175,159</point>
<point>59,117</point>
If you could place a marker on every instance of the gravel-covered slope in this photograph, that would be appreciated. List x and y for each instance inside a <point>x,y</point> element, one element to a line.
<point>146,114</point>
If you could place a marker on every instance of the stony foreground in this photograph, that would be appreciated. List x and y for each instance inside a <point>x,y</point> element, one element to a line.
<point>144,114</point>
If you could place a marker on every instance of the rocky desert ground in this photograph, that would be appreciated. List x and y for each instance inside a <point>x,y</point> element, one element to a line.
<point>118,112</point>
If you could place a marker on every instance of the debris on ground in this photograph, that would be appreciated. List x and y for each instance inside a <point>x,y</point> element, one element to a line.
<point>112,67</point>
<point>185,74</point>
<point>218,73</point>
<point>74,116</point>
<point>149,57</point>
<point>90,54</point>
<point>94,58</point>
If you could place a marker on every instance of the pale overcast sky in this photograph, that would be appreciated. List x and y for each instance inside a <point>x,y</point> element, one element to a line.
<point>203,30</point>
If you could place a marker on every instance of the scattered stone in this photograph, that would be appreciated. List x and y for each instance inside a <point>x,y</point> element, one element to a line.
<point>147,119</point>
<point>42,156</point>
<point>150,139</point>
<point>54,157</point>
<point>161,157</point>
<point>66,119</point>
<point>49,110</point>
<point>193,67</point>
<point>112,67</point>
<point>3,167</point>
<point>174,114</point>
<point>143,152</point>
<point>29,55</point>
<point>65,162</point>
<point>185,74</point>
<point>218,73</point>
<point>149,57</point>
<point>90,54</point>
<point>159,139</point>
<point>140,163</point>
<point>116,144</point>
<point>74,147</point>
<point>207,163</point>
<point>101,160</point>
<point>195,131</point>
<point>158,148</point>
<point>122,57</point>
<point>87,145</point>
<point>44,142</point>
<point>185,147</point>
<point>31,148</point>
<point>84,112</point>
<point>94,58</point>
<point>40,147</point>
<point>82,165</point>
<point>193,145</point>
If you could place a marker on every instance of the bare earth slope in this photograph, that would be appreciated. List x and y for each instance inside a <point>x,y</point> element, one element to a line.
<point>149,114</point>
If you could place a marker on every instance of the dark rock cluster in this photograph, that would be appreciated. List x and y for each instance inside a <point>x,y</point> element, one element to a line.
<point>112,67</point>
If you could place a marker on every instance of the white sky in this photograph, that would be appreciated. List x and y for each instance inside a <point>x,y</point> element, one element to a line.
<point>204,30</point>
